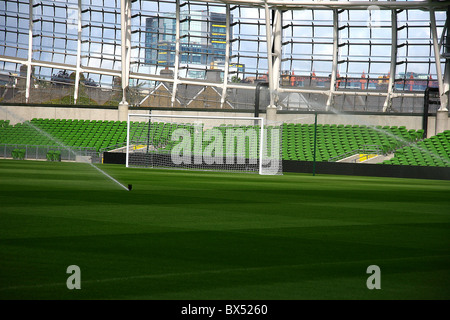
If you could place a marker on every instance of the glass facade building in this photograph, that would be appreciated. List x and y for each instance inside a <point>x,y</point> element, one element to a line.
<point>202,39</point>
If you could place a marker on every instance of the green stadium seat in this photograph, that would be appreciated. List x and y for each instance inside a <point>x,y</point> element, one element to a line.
<point>18,154</point>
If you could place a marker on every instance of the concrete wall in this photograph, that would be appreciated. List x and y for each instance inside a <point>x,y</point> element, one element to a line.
<point>409,121</point>
<point>211,122</point>
<point>368,170</point>
<point>24,112</point>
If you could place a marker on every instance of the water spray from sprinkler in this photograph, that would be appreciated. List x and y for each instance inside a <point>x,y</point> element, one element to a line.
<point>59,143</point>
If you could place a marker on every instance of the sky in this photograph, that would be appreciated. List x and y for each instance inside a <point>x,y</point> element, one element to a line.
<point>307,49</point>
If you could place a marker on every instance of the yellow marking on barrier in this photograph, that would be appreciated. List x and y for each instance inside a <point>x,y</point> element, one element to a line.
<point>364,157</point>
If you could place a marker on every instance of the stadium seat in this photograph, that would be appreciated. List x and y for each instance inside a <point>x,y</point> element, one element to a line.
<point>18,154</point>
<point>434,151</point>
<point>297,140</point>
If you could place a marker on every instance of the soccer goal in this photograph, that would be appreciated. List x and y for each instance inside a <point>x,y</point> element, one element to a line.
<point>234,144</point>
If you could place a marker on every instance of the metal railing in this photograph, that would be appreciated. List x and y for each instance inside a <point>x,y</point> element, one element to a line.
<point>113,147</point>
<point>38,152</point>
<point>365,149</point>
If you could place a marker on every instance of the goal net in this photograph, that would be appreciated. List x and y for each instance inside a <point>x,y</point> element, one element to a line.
<point>236,144</point>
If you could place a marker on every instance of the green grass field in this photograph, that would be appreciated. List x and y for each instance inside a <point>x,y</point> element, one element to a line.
<point>203,235</point>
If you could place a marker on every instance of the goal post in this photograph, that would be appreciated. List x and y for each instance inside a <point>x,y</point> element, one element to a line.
<point>215,143</point>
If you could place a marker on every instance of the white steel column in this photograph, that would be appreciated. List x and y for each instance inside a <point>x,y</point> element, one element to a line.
<point>442,113</point>
<point>269,52</point>
<point>276,52</point>
<point>447,77</point>
<point>273,39</point>
<point>177,53</point>
<point>445,43</point>
<point>227,57</point>
<point>391,85</point>
<point>437,57</point>
<point>30,52</point>
<point>335,60</point>
<point>78,71</point>
<point>125,19</point>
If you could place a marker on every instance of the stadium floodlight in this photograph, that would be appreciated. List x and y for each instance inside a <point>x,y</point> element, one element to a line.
<point>215,143</point>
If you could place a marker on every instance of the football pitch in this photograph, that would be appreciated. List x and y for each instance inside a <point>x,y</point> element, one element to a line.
<point>206,235</point>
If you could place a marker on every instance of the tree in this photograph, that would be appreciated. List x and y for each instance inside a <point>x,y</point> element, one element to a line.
<point>235,79</point>
<point>72,77</point>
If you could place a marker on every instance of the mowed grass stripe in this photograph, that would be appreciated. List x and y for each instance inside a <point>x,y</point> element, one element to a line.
<point>235,271</point>
<point>192,235</point>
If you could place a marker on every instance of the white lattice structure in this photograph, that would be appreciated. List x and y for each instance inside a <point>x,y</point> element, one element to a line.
<point>369,55</point>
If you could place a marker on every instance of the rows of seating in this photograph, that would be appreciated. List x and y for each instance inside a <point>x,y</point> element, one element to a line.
<point>4,123</point>
<point>434,151</point>
<point>297,141</point>
<point>66,132</point>
<point>159,134</point>
<point>248,132</point>
<point>18,154</point>
<point>335,140</point>
<point>98,135</point>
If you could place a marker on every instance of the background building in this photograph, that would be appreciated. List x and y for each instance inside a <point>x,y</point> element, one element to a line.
<point>202,41</point>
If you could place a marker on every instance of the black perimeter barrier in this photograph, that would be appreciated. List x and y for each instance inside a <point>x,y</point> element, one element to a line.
<point>371,170</point>
<point>338,168</point>
<point>114,157</point>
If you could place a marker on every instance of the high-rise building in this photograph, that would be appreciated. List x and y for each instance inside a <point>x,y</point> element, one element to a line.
<point>202,39</point>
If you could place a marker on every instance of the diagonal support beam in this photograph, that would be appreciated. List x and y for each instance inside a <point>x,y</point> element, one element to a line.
<point>269,52</point>
<point>227,57</point>
<point>330,100</point>
<point>274,43</point>
<point>177,54</point>
<point>125,21</point>
<point>393,68</point>
<point>437,58</point>
<point>78,66</point>
<point>30,53</point>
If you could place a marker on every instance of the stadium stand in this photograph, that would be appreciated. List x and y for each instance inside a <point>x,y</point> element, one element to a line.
<point>18,154</point>
<point>70,133</point>
<point>432,152</point>
<point>336,141</point>
<point>54,155</point>
<point>333,141</point>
